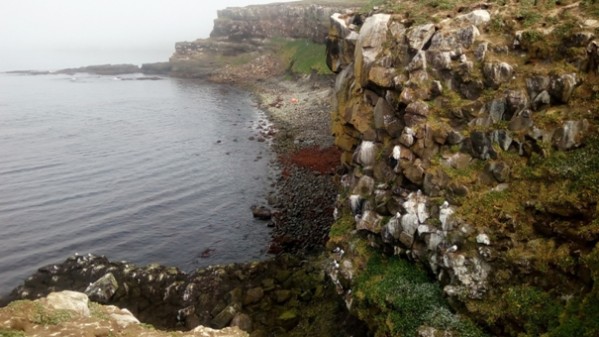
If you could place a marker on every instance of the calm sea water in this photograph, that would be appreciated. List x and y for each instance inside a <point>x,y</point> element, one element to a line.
<point>143,171</point>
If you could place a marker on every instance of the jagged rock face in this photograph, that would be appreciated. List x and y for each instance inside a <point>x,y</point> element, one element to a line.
<point>250,32</point>
<point>456,118</point>
<point>276,20</point>
<point>341,41</point>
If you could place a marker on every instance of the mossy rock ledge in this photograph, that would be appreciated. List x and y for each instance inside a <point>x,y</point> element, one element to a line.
<point>468,206</point>
<point>70,313</point>
<point>276,296</point>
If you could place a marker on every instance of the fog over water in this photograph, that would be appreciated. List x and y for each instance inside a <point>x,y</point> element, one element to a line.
<point>48,35</point>
<point>149,171</point>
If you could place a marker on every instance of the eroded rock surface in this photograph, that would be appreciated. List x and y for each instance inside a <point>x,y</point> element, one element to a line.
<point>461,131</point>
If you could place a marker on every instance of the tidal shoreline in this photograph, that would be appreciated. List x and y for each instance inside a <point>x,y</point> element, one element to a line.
<point>305,192</point>
<point>273,295</point>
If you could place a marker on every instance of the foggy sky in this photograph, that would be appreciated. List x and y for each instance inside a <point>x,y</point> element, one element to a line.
<point>52,34</point>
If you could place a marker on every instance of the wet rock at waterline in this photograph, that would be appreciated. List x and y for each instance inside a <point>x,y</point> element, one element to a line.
<point>262,212</point>
<point>282,293</point>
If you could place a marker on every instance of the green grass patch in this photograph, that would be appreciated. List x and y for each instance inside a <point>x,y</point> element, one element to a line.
<point>369,6</point>
<point>590,7</point>
<point>581,316</point>
<point>536,309</point>
<point>44,316</point>
<point>441,4</point>
<point>579,166</point>
<point>302,55</point>
<point>38,314</point>
<point>11,333</point>
<point>96,311</point>
<point>342,227</point>
<point>396,297</point>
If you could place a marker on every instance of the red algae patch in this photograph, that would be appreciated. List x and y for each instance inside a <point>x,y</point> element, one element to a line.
<point>322,161</point>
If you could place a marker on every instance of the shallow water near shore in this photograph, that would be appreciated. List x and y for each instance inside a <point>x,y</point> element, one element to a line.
<point>144,171</point>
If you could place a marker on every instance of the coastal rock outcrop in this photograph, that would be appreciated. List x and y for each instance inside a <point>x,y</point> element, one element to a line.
<point>461,131</point>
<point>70,313</point>
<point>245,43</point>
<point>258,297</point>
<point>295,20</point>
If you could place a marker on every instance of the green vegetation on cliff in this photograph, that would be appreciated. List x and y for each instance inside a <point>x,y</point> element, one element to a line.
<point>396,298</point>
<point>470,136</point>
<point>302,55</point>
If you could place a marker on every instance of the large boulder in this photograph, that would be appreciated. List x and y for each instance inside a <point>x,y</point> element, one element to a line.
<point>419,36</point>
<point>68,300</point>
<point>385,119</point>
<point>477,17</point>
<point>562,87</point>
<point>571,134</point>
<point>341,42</point>
<point>416,113</point>
<point>370,45</point>
<point>497,73</point>
<point>452,39</point>
<point>103,289</point>
<point>537,84</point>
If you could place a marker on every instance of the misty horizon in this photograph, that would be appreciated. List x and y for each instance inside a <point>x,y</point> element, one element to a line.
<point>40,35</point>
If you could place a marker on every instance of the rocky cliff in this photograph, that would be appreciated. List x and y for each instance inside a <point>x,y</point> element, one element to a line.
<point>245,38</point>
<point>295,20</point>
<point>469,133</point>
<point>468,201</point>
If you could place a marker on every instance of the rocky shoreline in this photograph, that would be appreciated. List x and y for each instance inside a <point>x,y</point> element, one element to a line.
<point>469,146</point>
<point>308,161</point>
<point>262,298</point>
<point>287,295</point>
<point>276,296</point>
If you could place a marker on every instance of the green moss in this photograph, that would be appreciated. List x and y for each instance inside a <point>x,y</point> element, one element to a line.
<point>44,316</point>
<point>147,326</point>
<point>579,167</point>
<point>529,16</point>
<point>38,314</point>
<point>590,7</point>
<point>396,297</point>
<point>289,314</point>
<point>302,55</point>
<point>96,311</point>
<point>581,317</point>
<point>443,318</point>
<point>441,4</point>
<point>467,174</point>
<point>498,25</point>
<point>521,310</point>
<point>342,227</point>
<point>11,333</point>
<point>371,4</point>
<point>535,309</point>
